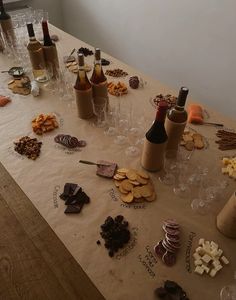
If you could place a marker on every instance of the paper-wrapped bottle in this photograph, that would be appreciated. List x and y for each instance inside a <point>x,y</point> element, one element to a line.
<point>226,219</point>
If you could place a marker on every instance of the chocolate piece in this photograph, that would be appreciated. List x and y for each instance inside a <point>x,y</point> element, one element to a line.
<point>72,209</point>
<point>85,51</point>
<point>134,82</point>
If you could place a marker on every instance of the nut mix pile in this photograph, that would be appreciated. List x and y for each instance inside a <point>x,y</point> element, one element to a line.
<point>171,291</point>
<point>44,123</point>
<point>74,198</point>
<point>171,100</point>
<point>116,73</point>
<point>116,234</point>
<point>28,147</point>
<point>191,140</point>
<point>69,141</point>
<point>134,186</point>
<point>167,248</point>
<point>117,89</point>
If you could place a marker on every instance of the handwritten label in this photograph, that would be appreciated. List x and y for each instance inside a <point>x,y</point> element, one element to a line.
<point>134,206</point>
<point>55,196</point>
<point>130,245</point>
<point>112,193</point>
<point>148,260</point>
<point>67,150</point>
<point>188,252</point>
<point>12,152</point>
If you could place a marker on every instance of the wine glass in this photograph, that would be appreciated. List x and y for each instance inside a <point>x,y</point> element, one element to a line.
<point>122,122</point>
<point>100,109</point>
<point>229,292</point>
<point>170,171</point>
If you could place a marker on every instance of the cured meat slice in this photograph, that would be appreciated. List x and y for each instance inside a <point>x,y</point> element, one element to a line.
<point>169,258</point>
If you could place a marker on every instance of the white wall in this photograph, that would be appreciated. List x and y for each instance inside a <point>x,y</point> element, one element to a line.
<point>184,42</point>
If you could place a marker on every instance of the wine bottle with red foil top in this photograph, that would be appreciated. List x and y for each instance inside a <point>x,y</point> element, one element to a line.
<point>6,23</point>
<point>155,143</point>
<point>50,52</point>
<point>176,120</point>
<point>98,79</point>
<point>83,91</point>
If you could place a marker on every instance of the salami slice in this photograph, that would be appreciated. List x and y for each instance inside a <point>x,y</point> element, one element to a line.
<point>168,247</point>
<point>82,143</point>
<point>159,249</point>
<point>170,230</point>
<point>169,259</point>
<point>171,223</point>
<point>172,238</point>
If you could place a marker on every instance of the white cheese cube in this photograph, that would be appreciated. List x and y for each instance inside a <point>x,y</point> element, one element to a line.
<point>214,245</point>
<point>218,267</point>
<point>220,252</point>
<point>198,262</point>
<point>201,241</point>
<point>200,251</point>
<point>213,272</point>
<point>196,256</point>
<point>207,248</point>
<point>206,269</point>
<point>214,253</point>
<point>224,260</point>
<point>206,258</point>
<point>216,263</point>
<point>199,270</point>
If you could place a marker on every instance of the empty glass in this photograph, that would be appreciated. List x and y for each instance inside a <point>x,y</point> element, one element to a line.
<point>100,109</point>
<point>170,171</point>
<point>229,292</point>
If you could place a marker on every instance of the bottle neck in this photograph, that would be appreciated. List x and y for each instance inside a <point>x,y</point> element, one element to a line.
<point>32,38</point>
<point>46,36</point>
<point>160,116</point>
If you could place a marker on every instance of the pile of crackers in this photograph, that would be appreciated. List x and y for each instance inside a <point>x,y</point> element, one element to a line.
<point>191,140</point>
<point>134,186</point>
<point>117,89</point>
<point>20,85</point>
<point>73,67</point>
<point>44,123</point>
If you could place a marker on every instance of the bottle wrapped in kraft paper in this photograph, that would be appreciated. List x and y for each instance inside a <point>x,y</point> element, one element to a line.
<point>174,131</point>
<point>153,156</point>
<point>84,103</point>
<point>226,219</point>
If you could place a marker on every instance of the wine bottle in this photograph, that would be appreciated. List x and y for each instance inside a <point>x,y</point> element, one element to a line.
<point>176,120</point>
<point>156,138</point>
<point>35,50</point>
<point>83,91</point>
<point>6,23</point>
<point>98,79</point>
<point>50,51</point>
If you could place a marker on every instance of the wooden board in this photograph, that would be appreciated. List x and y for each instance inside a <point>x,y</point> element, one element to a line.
<point>34,264</point>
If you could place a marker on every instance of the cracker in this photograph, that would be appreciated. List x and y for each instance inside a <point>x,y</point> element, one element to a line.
<point>127,198</point>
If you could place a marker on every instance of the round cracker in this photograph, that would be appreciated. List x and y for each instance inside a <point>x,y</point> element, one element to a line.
<point>132,175</point>
<point>151,198</point>
<point>141,180</point>
<point>126,185</point>
<point>146,191</point>
<point>118,177</point>
<point>127,198</point>
<point>117,183</point>
<point>136,192</point>
<point>143,174</point>
<point>122,171</point>
<point>122,190</point>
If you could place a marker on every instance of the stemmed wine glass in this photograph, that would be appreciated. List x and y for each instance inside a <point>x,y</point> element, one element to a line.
<point>229,292</point>
<point>170,171</point>
<point>99,109</point>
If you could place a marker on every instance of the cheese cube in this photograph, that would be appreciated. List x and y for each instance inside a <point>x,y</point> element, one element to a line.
<point>213,272</point>
<point>214,245</point>
<point>207,248</point>
<point>198,262</point>
<point>215,263</point>
<point>206,258</point>
<point>220,252</point>
<point>224,260</point>
<point>200,251</point>
<point>214,253</point>
<point>218,267</point>
<point>201,242</point>
<point>224,171</point>
<point>206,269</point>
<point>225,161</point>
<point>199,270</point>
<point>196,256</point>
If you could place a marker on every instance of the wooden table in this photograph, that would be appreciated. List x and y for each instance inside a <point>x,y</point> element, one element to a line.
<point>125,276</point>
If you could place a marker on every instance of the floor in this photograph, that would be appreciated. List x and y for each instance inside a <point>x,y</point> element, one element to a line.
<point>34,264</point>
